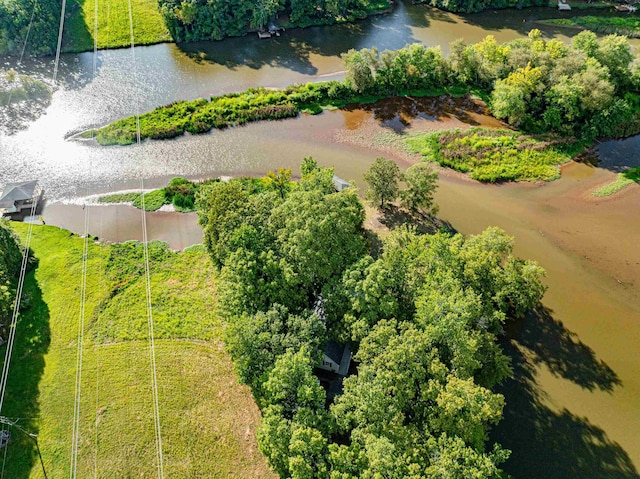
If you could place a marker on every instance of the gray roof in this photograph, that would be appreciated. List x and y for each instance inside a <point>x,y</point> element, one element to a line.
<point>17,192</point>
<point>340,354</point>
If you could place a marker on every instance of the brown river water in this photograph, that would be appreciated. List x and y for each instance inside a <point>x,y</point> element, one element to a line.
<point>573,409</point>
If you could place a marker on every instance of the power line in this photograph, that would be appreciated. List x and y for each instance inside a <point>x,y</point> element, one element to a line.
<point>152,351</point>
<point>60,29</point>
<point>16,307</point>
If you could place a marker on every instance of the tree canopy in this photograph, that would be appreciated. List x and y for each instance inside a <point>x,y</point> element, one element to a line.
<point>422,318</point>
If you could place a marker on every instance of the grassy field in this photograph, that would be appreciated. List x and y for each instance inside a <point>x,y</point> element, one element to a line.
<point>496,155</point>
<point>113,24</point>
<point>623,180</point>
<point>208,419</point>
<point>622,25</point>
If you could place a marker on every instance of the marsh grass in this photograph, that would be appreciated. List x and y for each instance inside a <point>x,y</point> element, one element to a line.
<point>628,25</point>
<point>496,155</point>
<point>624,179</point>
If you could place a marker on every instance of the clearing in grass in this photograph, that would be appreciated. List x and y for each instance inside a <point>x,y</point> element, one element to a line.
<point>496,155</point>
<point>113,24</point>
<point>208,419</point>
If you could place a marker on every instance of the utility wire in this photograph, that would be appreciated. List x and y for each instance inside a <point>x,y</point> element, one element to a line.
<point>60,29</point>
<point>152,352</point>
<point>16,306</point>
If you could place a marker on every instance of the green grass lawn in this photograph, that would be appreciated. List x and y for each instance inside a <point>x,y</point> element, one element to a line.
<point>113,24</point>
<point>623,180</point>
<point>208,419</point>
<point>496,155</point>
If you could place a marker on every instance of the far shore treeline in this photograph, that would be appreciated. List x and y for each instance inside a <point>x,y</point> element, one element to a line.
<point>588,89</point>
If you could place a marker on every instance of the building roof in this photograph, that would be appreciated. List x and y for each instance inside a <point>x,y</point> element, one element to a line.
<point>340,354</point>
<point>17,192</point>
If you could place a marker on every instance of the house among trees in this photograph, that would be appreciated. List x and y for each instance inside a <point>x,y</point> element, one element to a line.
<point>18,198</point>
<point>336,358</point>
<point>339,183</point>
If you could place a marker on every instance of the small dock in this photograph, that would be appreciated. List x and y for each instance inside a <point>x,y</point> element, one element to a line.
<point>272,30</point>
<point>563,5</point>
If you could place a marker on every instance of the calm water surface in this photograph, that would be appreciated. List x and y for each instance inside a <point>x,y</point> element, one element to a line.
<point>574,408</point>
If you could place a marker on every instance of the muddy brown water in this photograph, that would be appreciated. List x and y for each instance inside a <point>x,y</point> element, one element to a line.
<point>573,409</point>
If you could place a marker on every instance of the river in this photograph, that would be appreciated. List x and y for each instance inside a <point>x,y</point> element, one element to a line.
<point>574,406</point>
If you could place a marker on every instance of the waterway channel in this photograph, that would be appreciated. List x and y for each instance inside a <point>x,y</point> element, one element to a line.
<point>574,407</point>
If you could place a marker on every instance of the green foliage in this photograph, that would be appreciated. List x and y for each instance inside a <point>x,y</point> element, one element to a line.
<point>585,91</point>
<point>624,179</point>
<point>423,318</point>
<point>471,6</point>
<point>256,342</point>
<point>627,25</point>
<point>191,20</point>
<point>15,16</point>
<point>16,87</point>
<point>496,155</point>
<point>119,198</point>
<point>151,201</point>
<point>112,24</point>
<point>10,262</point>
<point>421,183</point>
<point>195,374</point>
<point>382,178</point>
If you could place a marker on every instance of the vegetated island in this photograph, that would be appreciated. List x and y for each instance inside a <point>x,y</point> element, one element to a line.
<point>583,91</point>
<point>621,25</point>
<point>180,193</point>
<point>16,87</point>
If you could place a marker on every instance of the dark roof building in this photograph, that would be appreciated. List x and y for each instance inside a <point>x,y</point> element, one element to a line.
<point>17,197</point>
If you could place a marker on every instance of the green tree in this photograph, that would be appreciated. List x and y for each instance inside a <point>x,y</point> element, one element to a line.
<point>360,66</point>
<point>512,98</point>
<point>422,183</point>
<point>255,342</point>
<point>280,181</point>
<point>319,235</point>
<point>382,177</point>
<point>308,165</point>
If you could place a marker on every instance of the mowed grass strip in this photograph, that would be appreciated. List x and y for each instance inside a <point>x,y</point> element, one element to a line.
<point>113,24</point>
<point>208,419</point>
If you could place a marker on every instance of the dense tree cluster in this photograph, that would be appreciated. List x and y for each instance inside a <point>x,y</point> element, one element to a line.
<point>15,19</point>
<point>588,89</point>
<point>422,319</point>
<point>10,259</point>
<point>190,20</point>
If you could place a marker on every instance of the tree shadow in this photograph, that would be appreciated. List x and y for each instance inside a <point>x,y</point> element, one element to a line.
<point>398,113</point>
<point>563,353</point>
<point>18,116</point>
<point>32,341</point>
<point>393,217</point>
<point>544,442</point>
<point>617,155</point>
<point>293,49</point>
<point>526,19</point>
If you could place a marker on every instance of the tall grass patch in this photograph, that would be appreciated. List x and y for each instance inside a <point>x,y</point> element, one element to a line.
<point>113,24</point>
<point>496,155</point>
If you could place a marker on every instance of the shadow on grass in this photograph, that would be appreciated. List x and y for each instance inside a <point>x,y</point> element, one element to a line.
<point>27,366</point>
<point>545,442</point>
